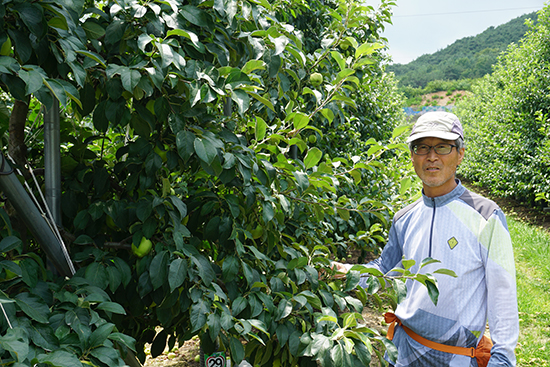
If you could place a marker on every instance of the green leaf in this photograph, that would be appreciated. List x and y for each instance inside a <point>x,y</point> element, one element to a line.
<point>111,307</point>
<point>337,355</point>
<point>92,55</point>
<point>109,356</point>
<point>398,131</point>
<point>237,350</point>
<point>446,272</point>
<point>433,292</point>
<point>43,336</point>
<point>242,100</point>
<point>205,150</point>
<point>238,305</point>
<point>268,212</point>
<point>252,65</point>
<point>407,264</point>
<point>33,306</point>
<point>159,269</point>
<point>194,15</point>
<point>9,243</point>
<point>214,325</point>
<point>33,80</point>
<point>205,269</point>
<point>428,261</point>
<point>263,100</point>
<point>367,49</point>
<point>284,309</point>
<point>313,157</point>
<point>300,120</point>
<point>32,16</point>
<point>185,143</point>
<point>114,278</point>
<point>198,315</point>
<point>15,340</point>
<point>57,90</point>
<point>97,275</point>
<point>159,343</point>
<point>352,280</point>
<point>260,129</point>
<point>123,339</point>
<point>365,270</point>
<point>230,268</point>
<point>144,209</point>
<point>298,262</point>
<point>93,29</point>
<point>124,269</point>
<point>59,358</point>
<point>30,272</point>
<point>405,184</point>
<point>177,273</point>
<point>100,334</point>
<point>263,3</point>
<point>130,78</point>
<point>400,290</point>
<point>301,180</point>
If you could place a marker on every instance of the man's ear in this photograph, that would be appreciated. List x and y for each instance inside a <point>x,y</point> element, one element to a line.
<point>460,155</point>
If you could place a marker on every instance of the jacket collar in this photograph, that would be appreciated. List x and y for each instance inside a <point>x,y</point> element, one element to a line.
<point>444,199</point>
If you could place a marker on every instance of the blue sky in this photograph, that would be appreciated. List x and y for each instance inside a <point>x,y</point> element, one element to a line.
<point>426,26</point>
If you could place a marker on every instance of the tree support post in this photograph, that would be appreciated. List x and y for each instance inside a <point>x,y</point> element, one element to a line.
<point>37,224</point>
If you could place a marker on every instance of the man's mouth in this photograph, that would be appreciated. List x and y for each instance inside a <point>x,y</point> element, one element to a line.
<point>432,169</point>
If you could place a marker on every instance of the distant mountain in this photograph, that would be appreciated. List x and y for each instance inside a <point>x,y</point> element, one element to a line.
<point>467,58</point>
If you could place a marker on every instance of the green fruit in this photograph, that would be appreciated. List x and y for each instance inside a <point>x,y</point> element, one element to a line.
<point>312,139</point>
<point>257,232</point>
<point>110,222</point>
<point>316,79</point>
<point>144,248</point>
<point>197,358</point>
<point>344,45</point>
<point>5,50</point>
<point>161,153</point>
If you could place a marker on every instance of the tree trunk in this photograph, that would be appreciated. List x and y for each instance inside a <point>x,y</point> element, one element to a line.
<point>16,141</point>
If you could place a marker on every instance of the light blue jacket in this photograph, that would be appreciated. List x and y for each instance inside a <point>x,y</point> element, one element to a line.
<point>469,235</point>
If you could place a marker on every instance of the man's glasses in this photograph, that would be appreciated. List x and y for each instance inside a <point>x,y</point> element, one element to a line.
<point>441,149</point>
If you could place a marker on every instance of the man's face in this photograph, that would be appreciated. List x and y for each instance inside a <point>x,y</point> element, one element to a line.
<point>437,172</point>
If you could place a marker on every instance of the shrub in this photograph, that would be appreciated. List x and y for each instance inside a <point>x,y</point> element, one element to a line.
<point>507,120</point>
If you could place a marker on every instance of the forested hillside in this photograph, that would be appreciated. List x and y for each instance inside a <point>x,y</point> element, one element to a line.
<point>467,58</point>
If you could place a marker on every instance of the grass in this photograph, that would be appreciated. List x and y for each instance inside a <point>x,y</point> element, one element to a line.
<point>532,255</point>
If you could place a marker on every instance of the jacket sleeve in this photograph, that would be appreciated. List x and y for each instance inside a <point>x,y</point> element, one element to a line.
<point>500,277</point>
<point>391,256</point>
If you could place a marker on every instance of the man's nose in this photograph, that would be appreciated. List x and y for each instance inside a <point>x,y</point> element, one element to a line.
<point>432,155</point>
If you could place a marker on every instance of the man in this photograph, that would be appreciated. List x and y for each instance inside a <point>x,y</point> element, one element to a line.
<point>469,235</point>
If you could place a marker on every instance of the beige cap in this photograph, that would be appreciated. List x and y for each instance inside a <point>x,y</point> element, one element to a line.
<point>437,124</point>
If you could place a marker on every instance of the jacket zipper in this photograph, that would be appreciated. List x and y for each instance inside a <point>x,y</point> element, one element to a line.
<point>432,228</point>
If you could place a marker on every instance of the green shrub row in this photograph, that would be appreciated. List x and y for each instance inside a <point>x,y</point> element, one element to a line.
<point>507,120</point>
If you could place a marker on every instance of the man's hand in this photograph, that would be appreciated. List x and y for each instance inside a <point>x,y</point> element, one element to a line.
<point>341,270</point>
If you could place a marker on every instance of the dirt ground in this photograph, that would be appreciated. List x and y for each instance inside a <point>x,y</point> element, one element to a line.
<point>443,98</point>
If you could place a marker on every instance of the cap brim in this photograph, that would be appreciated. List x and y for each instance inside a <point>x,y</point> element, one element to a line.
<point>434,134</point>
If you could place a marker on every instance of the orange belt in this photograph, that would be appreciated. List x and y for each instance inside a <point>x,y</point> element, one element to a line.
<point>392,320</point>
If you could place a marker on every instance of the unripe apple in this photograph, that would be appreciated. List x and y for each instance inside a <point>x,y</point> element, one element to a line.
<point>316,79</point>
<point>144,248</point>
